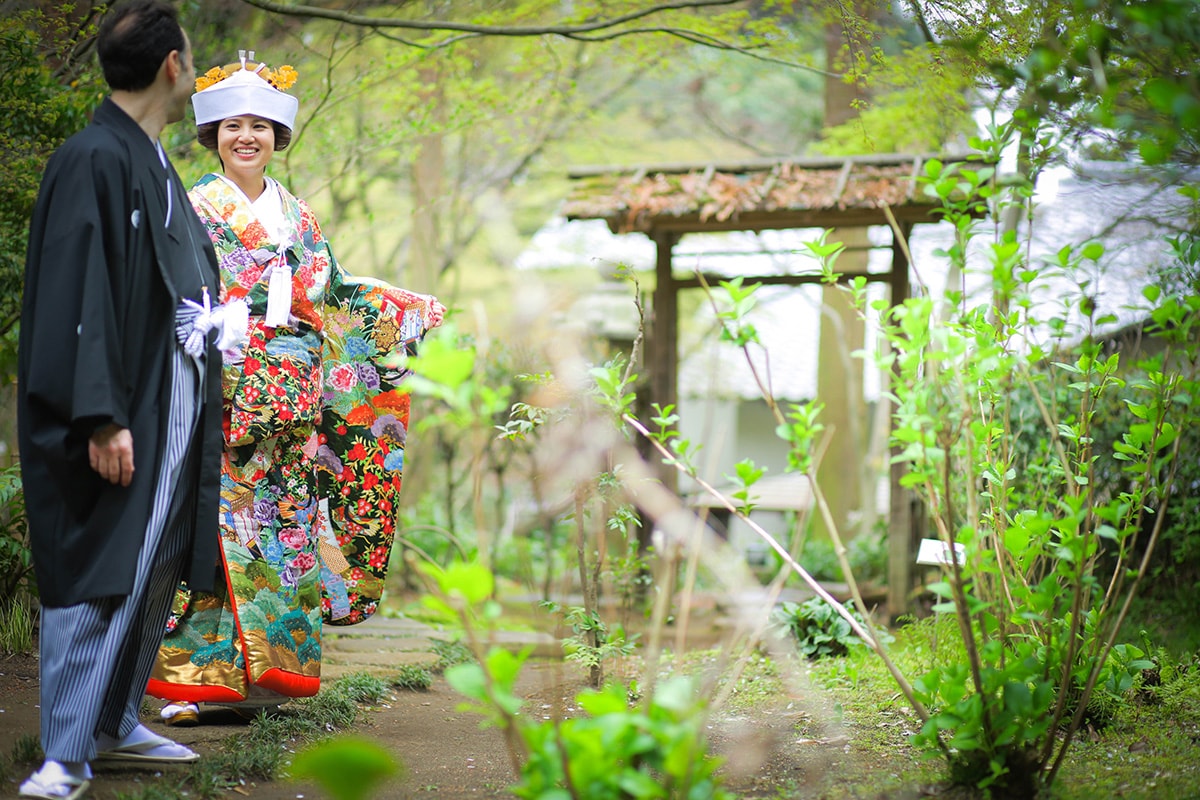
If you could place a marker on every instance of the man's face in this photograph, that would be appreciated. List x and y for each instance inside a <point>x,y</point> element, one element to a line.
<point>184,84</point>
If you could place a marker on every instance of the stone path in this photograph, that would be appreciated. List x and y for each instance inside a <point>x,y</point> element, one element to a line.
<point>382,645</point>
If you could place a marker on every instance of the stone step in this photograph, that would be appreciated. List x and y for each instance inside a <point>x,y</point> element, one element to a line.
<point>372,644</point>
<point>381,659</point>
<point>401,635</point>
<point>384,627</point>
<point>334,672</point>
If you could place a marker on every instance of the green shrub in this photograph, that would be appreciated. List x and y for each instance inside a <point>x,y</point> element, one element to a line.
<point>17,582</point>
<point>866,554</point>
<point>1179,693</point>
<point>617,752</point>
<point>819,630</point>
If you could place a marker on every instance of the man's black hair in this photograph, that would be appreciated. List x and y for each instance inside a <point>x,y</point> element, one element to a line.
<point>134,39</point>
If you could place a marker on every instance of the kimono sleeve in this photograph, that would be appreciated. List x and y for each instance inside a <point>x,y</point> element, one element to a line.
<point>370,328</point>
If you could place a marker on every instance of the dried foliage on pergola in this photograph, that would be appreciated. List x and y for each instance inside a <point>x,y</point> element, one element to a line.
<point>667,201</point>
<point>753,195</point>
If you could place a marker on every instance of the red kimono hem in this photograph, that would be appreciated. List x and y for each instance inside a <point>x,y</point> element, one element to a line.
<point>192,694</point>
<point>289,683</point>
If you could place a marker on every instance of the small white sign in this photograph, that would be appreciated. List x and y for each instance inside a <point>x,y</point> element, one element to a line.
<point>935,551</point>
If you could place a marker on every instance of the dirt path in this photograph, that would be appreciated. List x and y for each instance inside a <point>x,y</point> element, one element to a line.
<point>445,753</point>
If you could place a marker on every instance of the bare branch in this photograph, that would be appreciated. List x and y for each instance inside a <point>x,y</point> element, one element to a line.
<point>707,41</point>
<point>362,20</point>
<point>595,31</point>
<point>919,15</point>
<point>694,37</point>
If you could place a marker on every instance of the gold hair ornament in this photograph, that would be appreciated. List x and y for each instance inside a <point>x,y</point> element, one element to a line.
<point>282,78</point>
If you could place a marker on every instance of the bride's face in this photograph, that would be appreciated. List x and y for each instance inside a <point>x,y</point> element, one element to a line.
<point>245,144</point>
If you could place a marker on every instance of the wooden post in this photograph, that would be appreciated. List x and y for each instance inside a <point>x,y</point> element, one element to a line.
<point>840,390</point>
<point>664,339</point>
<point>900,532</point>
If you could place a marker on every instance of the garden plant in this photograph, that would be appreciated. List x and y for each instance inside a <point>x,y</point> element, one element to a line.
<point>996,393</point>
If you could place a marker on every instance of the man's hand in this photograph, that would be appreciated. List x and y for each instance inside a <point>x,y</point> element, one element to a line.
<point>110,452</point>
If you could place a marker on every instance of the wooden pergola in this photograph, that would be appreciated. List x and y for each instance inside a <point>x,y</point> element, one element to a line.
<point>667,201</point>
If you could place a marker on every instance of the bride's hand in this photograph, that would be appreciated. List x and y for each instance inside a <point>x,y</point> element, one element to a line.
<point>436,312</point>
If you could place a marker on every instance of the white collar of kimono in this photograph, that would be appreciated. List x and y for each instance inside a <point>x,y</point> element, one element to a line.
<point>269,210</point>
<point>162,156</point>
<point>268,207</point>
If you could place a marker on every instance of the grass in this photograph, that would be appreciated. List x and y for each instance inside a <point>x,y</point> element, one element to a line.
<point>263,752</point>
<point>848,727</point>
<point>1169,619</point>
<point>1150,748</point>
<point>412,678</point>
<point>26,750</point>
<point>450,653</point>
<point>16,628</point>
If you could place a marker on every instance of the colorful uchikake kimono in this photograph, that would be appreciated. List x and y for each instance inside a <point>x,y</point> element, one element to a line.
<point>315,429</point>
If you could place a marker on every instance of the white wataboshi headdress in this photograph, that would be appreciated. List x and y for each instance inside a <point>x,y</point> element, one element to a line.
<point>245,88</point>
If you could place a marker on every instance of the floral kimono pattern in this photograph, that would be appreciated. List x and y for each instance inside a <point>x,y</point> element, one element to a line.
<point>315,432</point>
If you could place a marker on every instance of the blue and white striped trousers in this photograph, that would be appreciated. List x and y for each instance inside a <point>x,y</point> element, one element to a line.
<point>96,656</point>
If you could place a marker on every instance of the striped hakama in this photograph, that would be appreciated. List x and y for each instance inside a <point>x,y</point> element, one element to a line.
<point>96,656</point>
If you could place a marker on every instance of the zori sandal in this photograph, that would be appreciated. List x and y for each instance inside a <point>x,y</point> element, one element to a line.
<point>180,714</point>
<point>53,782</point>
<point>147,747</point>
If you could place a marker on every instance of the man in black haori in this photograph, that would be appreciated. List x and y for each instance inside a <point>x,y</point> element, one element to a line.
<point>119,404</point>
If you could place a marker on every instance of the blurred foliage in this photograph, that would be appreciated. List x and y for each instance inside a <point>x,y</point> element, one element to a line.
<point>347,767</point>
<point>1103,71</point>
<point>47,88</point>
<point>17,584</point>
<point>866,554</point>
<point>921,103</point>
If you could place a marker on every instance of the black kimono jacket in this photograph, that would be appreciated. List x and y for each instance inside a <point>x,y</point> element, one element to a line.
<point>103,278</point>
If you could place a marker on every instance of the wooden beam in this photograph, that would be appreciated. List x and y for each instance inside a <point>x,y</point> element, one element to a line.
<point>901,553</point>
<point>843,179</point>
<point>663,347</point>
<point>783,280</point>
<point>764,164</point>
<point>778,219</point>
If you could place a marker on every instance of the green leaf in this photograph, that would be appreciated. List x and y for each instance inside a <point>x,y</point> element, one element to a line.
<point>638,784</point>
<point>504,665</point>
<point>675,694</point>
<point>1018,699</point>
<point>941,589</point>
<point>443,363</point>
<point>472,581</point>
<point>346,767</point>
<point>748,473</point>
<point>600,702</point>
<point>1138,410</point>
<point>468,680</point>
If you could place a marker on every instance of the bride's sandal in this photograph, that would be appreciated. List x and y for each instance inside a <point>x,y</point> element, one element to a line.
<point>180,714</point>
